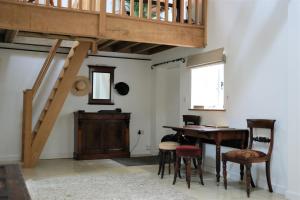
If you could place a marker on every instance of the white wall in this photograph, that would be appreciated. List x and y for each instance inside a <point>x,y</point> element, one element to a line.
<point>254,35</point>
<point>293,101</point>
<point>18,71</point>
<point>167,103</point>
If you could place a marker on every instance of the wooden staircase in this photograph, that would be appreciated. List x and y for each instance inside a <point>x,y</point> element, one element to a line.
<point>34,141</point>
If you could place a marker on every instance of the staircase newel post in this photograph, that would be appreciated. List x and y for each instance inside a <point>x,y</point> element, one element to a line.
<point>27,128</point>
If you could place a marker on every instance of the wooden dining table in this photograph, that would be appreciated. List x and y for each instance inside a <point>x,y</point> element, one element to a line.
<point>229,137</point>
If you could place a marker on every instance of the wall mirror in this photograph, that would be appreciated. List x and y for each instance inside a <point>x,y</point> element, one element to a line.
<point>102,79</point>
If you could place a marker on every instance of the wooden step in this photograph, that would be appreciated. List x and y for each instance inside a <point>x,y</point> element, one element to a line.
<point>66,65</point>
<point>57,97</point>
<point>71,53</point>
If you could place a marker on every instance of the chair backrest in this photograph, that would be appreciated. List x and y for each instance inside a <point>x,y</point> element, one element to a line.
<point>191,119</point>
<point>265,124</point>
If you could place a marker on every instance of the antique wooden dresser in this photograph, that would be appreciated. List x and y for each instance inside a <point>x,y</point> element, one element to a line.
<point>101,135</point>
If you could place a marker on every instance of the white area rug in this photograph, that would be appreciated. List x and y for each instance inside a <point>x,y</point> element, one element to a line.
<point>108,186</point>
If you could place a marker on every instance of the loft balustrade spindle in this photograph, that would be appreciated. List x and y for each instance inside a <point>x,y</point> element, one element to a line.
<point>80,4</point>
<point>182,11</point>
<point>190,12</point>
<point>197,6</point>
<point>113,6</point>
<point>131,8</point>
<point>204,19</point>
<point>166,10</point>
<point>158,10</point>
<point>90,5</point>
<point>149,15</point>
<point>122,7</point>
<point>174,11</point>
<point>141,9</point>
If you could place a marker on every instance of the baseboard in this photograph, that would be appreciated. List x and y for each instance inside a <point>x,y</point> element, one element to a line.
<point>140,155</point>
<point>291,195</point>
<point>10,158</point>
<point>56,156</point>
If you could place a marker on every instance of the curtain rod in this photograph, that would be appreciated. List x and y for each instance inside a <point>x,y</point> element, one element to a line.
<point>169,61</point>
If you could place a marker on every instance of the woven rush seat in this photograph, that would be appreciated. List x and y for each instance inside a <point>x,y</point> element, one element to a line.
<point>166,155</point>
<point>168,145</point>
<point>188,151</point>
<point>244,154</point>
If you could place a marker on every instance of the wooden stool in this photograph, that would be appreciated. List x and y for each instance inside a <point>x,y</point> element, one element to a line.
<point>166,149</point>
<point>188,152</point>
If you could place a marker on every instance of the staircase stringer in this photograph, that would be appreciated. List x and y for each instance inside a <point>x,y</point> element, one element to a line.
<point>61,92</point>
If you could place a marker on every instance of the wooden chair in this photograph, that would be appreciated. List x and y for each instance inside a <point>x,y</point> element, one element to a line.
<point>248,156</point>
<point>191,119</point>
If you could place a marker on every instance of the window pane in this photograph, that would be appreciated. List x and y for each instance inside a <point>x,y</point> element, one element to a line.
<point>208,86</point>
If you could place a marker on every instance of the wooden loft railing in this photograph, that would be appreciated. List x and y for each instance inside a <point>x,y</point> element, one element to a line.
<point>173,11</point>
<point>164,22</point>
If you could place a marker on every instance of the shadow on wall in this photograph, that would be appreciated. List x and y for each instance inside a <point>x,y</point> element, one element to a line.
<point>252,52</point>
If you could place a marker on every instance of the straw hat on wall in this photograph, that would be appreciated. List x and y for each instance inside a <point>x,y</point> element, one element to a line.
<point>81,86</point>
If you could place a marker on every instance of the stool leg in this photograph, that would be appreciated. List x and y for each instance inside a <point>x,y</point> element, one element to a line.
<point>242,171</point>
<point>160,162</point>
<point>225,174</point>
<point>195,163</point>
<point>200,170</point>
<point>188,172</point>
<point>163,164</point>
<point>179,172</point>
<point>170,156</point>
<point>176,169</point>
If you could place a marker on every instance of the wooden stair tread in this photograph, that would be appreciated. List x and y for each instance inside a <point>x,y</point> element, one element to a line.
<point>55,100</point>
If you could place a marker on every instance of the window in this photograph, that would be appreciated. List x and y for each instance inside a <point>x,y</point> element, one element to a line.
<point>207,87</point>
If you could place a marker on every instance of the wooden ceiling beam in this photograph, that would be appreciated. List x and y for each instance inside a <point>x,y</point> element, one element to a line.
<point>141,48</point>
<point>160,49</point>
<point>124,46</point>
<point>107,45</point>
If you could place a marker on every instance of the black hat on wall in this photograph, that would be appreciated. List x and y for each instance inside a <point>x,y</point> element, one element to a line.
<point>122,88</point>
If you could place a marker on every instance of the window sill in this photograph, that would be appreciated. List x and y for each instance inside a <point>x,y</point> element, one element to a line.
<point>206,109</point>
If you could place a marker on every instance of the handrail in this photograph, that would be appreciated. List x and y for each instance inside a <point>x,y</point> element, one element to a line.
<point>173,11</point>
<point>45,67</point>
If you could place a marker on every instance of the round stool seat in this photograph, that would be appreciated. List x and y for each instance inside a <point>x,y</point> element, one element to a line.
<point>188,150</point>
<point>168,145</point>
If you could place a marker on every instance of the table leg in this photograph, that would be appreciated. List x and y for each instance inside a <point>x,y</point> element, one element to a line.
<point>242,171</point>
<point>218,162</point>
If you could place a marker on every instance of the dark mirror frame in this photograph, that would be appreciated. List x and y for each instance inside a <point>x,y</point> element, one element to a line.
<point>101,69</point>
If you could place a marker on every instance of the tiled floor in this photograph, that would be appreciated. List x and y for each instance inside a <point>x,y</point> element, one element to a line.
<point>210,191</point>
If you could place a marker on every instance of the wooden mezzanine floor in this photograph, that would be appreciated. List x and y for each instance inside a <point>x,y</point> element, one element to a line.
<point>116,32</point>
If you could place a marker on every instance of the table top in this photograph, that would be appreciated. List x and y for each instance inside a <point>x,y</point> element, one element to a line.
<point>204,128</point>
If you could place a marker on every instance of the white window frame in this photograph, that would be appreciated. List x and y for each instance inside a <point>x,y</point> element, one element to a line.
<point>221,89</point>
